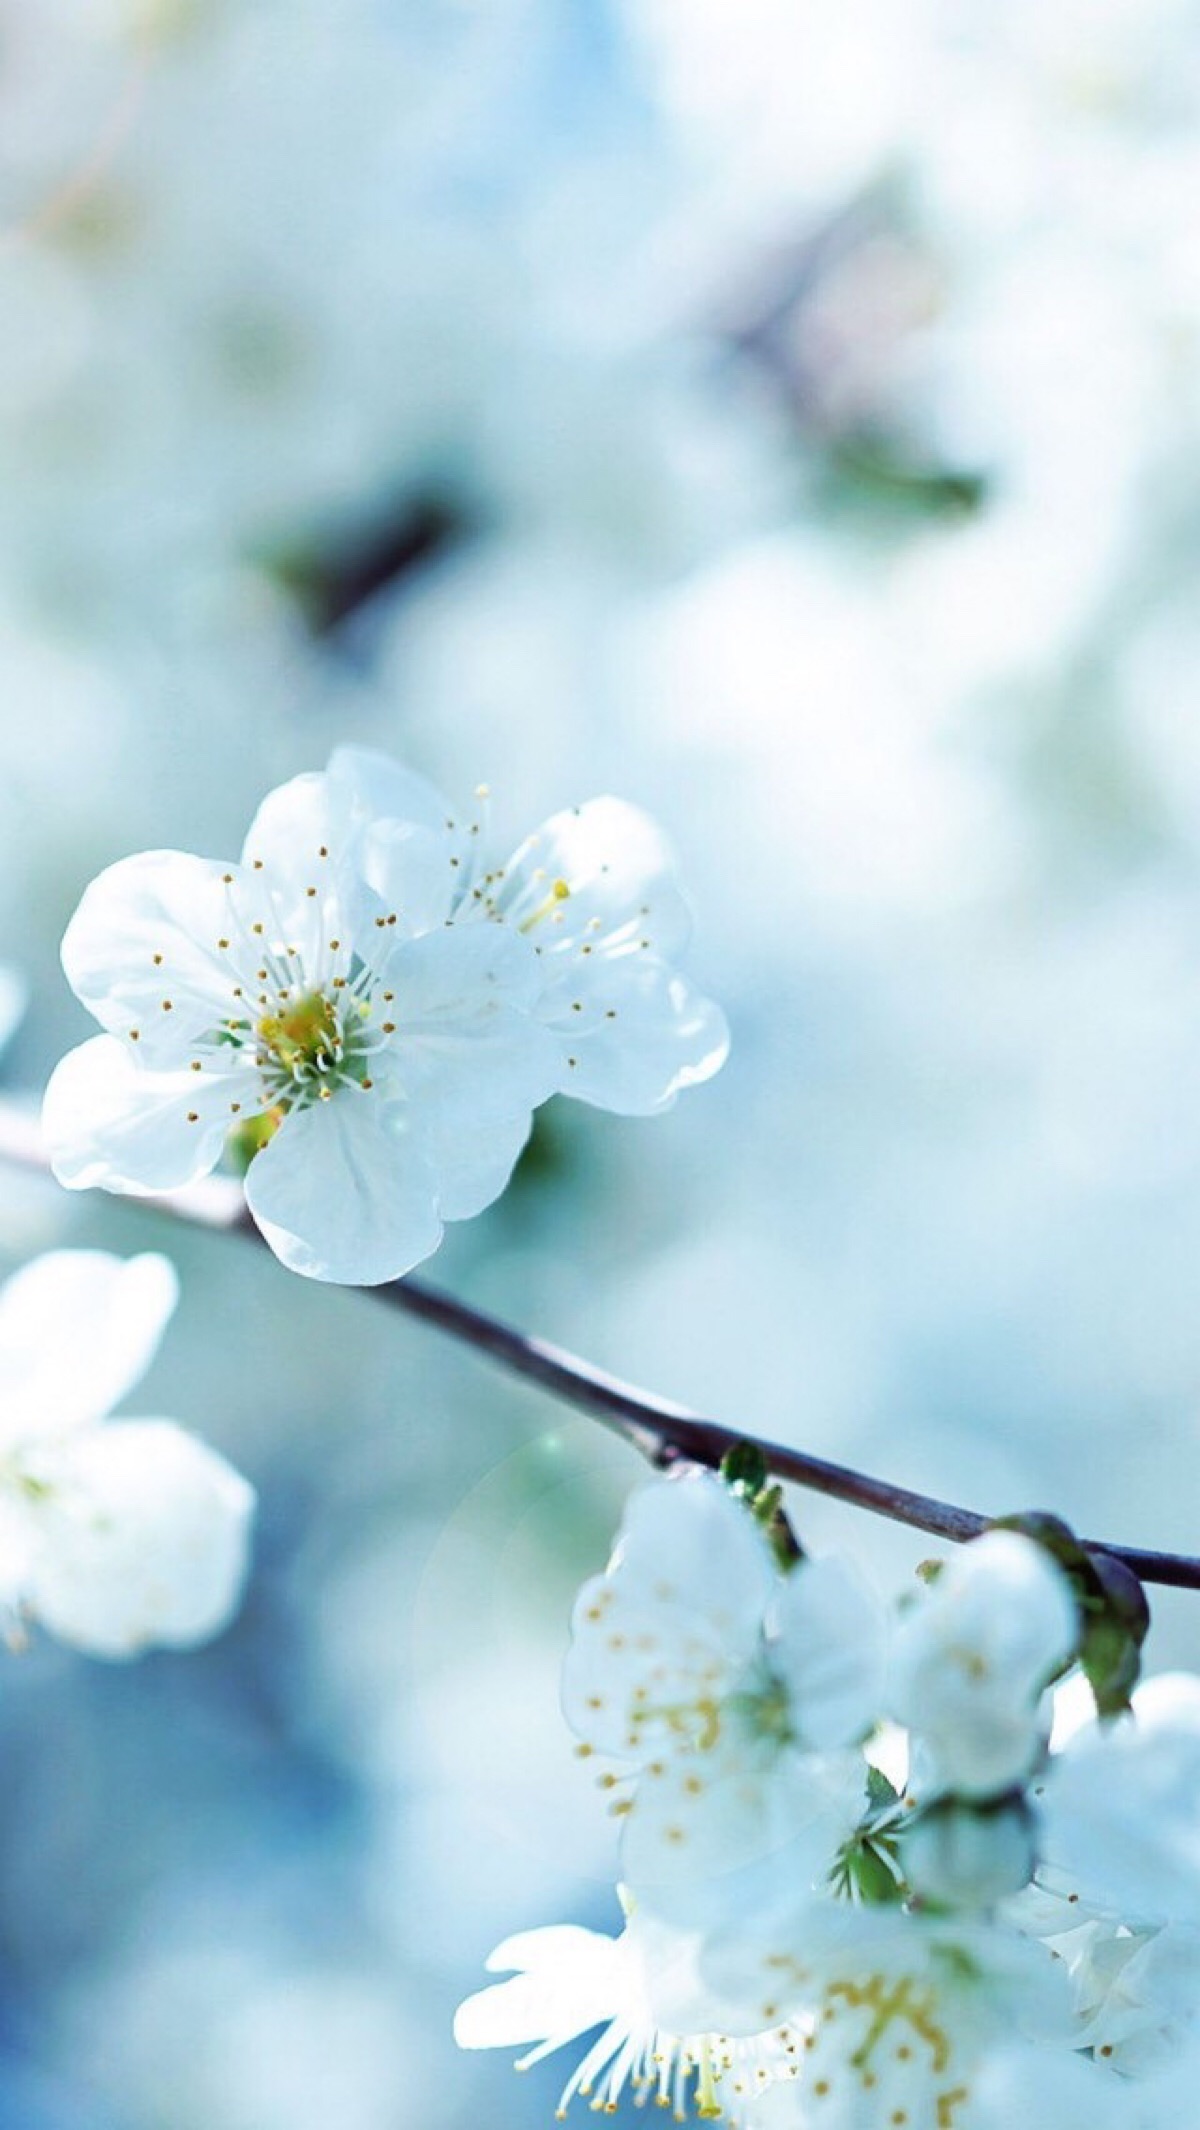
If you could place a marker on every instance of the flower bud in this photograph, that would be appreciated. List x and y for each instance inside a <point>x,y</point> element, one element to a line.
<point>967,1856</point>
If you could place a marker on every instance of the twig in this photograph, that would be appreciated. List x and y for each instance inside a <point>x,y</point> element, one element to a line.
<point>660,1430</point>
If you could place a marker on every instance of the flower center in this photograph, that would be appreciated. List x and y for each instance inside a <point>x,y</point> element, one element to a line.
<point>308,1046</point>
<point>305,1038</point>
<point>895,2049</point>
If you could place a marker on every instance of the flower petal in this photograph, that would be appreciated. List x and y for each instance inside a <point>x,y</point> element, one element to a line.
<point>632,1033</point>
<point>618,872</point>
<point>473,1166</point>
<point>829,1647</point>
<point>462,969</point>
<point>567,1979</point>
<point>297,870</point>
<point>656,1641</point>
<point>412,874</point>
<point>142,949</point>
<point>368,786</point>
<point>78,1328</point>
<point>344,1191</point>
<point>143,1539</point>
<point>109,1121</point>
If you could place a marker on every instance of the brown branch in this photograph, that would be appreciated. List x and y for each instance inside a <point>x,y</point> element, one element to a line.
<point>660,1430</point>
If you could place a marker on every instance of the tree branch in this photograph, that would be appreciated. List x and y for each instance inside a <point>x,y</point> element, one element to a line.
<point>660,1430</point>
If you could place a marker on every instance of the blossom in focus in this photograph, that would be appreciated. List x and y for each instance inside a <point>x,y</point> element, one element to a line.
<point>972,1655</point>
<point>644,1991</point>
<point>117,1536</point>
<point>594,892</point>
<point>732,1698</point>
<point>386,1064</point>
<point>365,1011</point>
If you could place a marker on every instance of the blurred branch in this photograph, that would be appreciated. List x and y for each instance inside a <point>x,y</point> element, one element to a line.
<point>660,1430</point>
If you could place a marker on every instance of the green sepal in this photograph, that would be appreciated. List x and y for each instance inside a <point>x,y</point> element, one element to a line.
<point>744,1471</point>
<point>882,1795</point>
<point>867,1868</point>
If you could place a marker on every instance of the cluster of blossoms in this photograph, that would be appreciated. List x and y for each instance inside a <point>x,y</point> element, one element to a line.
<point>865,1886</point>
<point>361,1014</point>
<point>861,1890</point>
<point>365,1010</point>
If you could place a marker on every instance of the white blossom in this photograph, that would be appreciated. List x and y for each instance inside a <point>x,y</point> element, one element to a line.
<point>390,1062</point>
<point>114,1535</point>
<point>964,1858</point>
<point>594,891</point>
<point>644,1991</point>
<point>972,1655</point>
<point>900,2014</point>
<point>731,1695</point>
<point>365,1010</point>
<point>1121,1809</point>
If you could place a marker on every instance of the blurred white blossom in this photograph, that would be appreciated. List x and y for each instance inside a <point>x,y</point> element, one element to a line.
<point>122,1535</point>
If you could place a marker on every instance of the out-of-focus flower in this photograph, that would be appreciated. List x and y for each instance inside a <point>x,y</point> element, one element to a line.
<point>966,1858</point>
<point>116,1536</point>
<point>644,1990</point>
<point>340,1004</point>
<point>1121,1809</point>
<point>972,1656</point>
<point>900,2012</point>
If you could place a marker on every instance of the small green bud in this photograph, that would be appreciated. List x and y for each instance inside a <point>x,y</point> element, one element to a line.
<point>744,1471</point>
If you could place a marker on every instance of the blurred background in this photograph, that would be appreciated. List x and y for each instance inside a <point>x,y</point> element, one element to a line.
<point>785,414</point>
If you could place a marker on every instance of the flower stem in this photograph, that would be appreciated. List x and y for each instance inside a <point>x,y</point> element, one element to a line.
<point>662,1431</point>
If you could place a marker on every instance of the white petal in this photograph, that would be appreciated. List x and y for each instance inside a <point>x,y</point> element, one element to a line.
<point>78,1328</point>
<point>566,1981</point>
<point>657,1641</point>
<point>620,875</point>
<point>111,1122</point>
<point>715,1838</point>
<point>473,1165</point>
<point>460,970</point>
<point>633,1034</point>
<point>344,1191</point>
<point>471,1072</point>
<point>369,786</point>
<point>147,931</point>
<point>465,1056</point>
<point>143,1539</point>
<point>971,1656</point>
<point>412,873</point>
<point>1122,1812</point>
<point>295,861</point>
<point>830,1651</point>
<point>640,1679</point>
<point>689,1541</point>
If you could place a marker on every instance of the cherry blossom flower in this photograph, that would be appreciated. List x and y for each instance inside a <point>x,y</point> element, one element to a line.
<point>386,1064</point>
<point>114,1535</point>
<point>644,1991</point>
<point>899,2014</point>
<point>594,890</point>
<point>1121,1809</point>
<point>972,1655</point>
<point>731,1696</point>
<point>367,1013</point>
